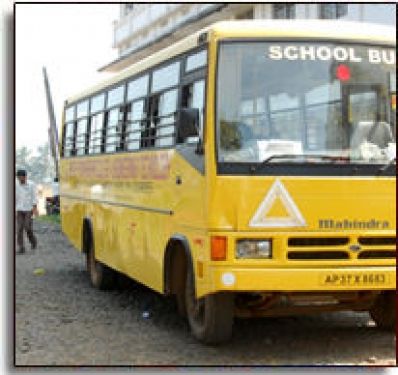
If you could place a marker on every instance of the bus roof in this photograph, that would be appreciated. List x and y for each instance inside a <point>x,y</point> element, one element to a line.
<point>308,28</point>
<point>312,29</point>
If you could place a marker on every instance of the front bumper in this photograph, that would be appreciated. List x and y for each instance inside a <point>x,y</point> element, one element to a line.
<point>224,278</point>
<point>346,270</point>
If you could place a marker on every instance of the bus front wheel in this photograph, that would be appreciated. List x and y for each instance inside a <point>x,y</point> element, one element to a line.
<point>101,276</point>
<point>211,317</point>
<point>383,311</point>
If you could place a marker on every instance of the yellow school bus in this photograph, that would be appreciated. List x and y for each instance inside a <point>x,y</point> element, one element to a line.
<point>248,170</point>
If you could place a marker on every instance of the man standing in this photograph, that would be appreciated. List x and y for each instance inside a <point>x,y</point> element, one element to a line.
<point>26,207</point>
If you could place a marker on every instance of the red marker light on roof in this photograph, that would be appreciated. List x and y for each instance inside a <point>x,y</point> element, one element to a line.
<point>343,72</point>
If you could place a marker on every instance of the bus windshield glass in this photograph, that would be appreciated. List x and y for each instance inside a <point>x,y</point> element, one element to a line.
<point>279,100</point>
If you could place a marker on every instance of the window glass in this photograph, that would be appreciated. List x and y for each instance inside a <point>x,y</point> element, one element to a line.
<point>135,116</point>
<point>393,102</point>
<point>97,122</point>
<point>196,61</point>
<point>69,130</point>
<point>82,109</point>
<point>341,10</point>
<point>97,103</point>
<point>196,97</point>
<point>333,11</point>
<point>284,11</point>
<point>247,15</point>
<point>271,102</point>
<point>128,7</point>
<point>166,124</point>
<point>166,77</point>
<point>393,82</point>
<point>285,110</point>
<point>252,111</point>
<point>69,139</point>
<point>113,131</point>
<point>137,88</point>
<point>115,96</point>
<point>319,103</point>
<point>81,137</point>
<point>70,114</point>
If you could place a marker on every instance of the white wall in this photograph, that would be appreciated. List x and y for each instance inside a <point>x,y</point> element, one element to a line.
<point>148,21</point>
<point>385,14</point>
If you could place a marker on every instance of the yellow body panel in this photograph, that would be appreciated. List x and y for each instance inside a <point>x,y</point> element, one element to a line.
<point>136,206</point>
<point>352,198</point>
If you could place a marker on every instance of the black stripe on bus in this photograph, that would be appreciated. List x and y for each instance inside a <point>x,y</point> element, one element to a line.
<point>126,205</point>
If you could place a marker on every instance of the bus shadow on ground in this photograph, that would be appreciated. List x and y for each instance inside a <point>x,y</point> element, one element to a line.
<point>337,325</point>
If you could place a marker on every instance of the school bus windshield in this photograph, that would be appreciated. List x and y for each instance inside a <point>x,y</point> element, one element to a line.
<point>284,98</point>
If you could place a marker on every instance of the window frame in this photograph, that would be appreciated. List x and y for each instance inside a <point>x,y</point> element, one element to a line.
<point>182,58</point>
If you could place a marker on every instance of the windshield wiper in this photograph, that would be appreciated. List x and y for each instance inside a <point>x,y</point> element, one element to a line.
<point>334,159</point>
<point>386,166</point>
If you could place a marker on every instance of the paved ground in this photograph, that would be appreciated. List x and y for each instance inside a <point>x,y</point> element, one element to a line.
<point>62,320</point>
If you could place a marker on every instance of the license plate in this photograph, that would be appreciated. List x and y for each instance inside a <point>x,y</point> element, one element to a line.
<point>354,279</point>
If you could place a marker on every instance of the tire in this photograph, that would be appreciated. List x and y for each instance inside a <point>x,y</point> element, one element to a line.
<point>211,317</point>
<point>101,276</point>
<point>383,311</point>
<point>181,304</point>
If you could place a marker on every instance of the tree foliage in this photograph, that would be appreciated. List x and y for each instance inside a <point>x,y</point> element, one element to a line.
<point>39,166</point>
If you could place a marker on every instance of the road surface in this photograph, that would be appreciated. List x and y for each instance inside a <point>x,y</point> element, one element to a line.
<point>62,320</point>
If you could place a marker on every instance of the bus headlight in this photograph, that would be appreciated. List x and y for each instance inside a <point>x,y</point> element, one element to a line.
<point>254,249</point>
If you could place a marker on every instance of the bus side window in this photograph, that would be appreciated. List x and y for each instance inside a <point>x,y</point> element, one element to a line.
<point>82,129</point>
<point>97,105</point>
<point>165,126</point>
<point>136,115</point>
<point>148,130</point>
<point>160,127</point>
<point>193,96</point>
<point>114,118</point>
<point>81,135</point>
<point>70,139</point>
<point>69,130</point>
<point>114,122</point>
<point>97,122</point>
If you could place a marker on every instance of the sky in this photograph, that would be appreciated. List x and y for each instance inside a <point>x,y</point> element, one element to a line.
<point>72,41</point>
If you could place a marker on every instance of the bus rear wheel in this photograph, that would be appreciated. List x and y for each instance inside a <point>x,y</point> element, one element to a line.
<point>101,276</point>
<point>383,311</point>
<point>211,317</point>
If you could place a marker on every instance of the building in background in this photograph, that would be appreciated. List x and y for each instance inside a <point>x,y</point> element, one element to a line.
<point>145,28</point>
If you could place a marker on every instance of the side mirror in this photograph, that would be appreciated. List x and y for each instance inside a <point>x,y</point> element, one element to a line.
<point>189,123</point>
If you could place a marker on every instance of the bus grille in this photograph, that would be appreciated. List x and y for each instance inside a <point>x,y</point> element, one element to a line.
<point>317,255</point>
<point>377,240</point>
<point>377,254</point>
<point>320,241</point>
<point>340,248</point>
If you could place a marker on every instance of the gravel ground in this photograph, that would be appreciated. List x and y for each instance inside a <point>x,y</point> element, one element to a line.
<point>62,320</point>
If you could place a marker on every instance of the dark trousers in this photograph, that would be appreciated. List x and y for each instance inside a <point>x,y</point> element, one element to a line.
<point>24,222</point>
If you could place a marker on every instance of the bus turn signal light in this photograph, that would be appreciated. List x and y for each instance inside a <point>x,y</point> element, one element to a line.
<point>218,248</point>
